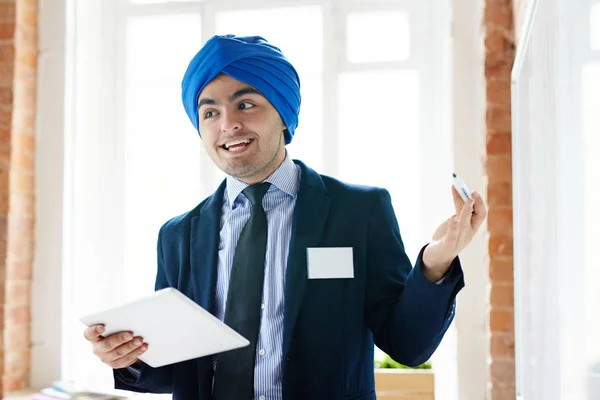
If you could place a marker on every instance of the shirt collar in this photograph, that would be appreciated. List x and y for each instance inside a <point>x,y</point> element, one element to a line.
<point>285,178</point>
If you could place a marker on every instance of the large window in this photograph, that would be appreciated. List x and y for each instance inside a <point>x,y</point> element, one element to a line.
<point>375,111</point>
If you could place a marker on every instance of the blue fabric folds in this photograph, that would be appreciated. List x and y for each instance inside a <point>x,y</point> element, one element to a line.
<point>249,59</point>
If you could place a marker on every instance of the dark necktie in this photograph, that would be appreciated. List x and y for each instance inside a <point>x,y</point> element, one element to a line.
<point>234,374</point>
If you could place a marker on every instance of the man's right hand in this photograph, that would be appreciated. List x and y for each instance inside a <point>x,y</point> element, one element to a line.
<point>119,350</point>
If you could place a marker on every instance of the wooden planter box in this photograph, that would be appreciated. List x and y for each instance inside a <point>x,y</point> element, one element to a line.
<point>404,384</point>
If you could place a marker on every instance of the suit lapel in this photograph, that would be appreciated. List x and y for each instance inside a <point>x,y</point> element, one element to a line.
<point>310,215</point>
<point>204,244</point>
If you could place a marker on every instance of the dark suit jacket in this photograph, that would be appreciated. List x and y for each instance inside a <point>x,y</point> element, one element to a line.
<point>329,324</point>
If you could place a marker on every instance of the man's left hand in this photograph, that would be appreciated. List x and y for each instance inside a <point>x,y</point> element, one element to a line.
<point>453,235</point>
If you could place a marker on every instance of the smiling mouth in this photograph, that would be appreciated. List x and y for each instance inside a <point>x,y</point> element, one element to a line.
<point>237,145</point>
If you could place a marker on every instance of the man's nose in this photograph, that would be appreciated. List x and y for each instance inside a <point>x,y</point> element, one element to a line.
<point>230,123</point>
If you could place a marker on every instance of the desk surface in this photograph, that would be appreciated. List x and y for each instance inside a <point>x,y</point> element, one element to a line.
<point>20,395</point>
<point>27,394</point>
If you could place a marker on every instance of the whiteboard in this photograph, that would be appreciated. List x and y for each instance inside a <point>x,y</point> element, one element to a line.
<point>548,232</point>
<point>534,202</point>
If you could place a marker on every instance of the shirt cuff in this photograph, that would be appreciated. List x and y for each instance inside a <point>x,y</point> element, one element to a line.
<point>129,375</point>
<point>453,272</point>
<point>136,372</point>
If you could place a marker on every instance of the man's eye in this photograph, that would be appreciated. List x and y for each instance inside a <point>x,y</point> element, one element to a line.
<point>245,105</point>
<point>209,114</point>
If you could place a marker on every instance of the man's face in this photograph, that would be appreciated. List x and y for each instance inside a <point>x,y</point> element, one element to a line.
<point>241,131</point>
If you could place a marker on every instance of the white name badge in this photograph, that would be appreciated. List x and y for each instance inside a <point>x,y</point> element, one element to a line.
<point>330,262</point>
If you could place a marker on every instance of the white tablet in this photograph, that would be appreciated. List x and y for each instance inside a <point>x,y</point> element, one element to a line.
<point>175,328</point>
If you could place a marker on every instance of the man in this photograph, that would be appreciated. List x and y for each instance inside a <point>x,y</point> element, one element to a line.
<point>247,254</point>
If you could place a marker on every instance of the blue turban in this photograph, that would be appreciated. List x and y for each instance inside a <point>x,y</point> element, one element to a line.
<point>251,60</point>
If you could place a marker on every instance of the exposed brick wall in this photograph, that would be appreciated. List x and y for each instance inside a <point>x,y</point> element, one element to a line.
<point>18,80</point>
<point>499,57</point>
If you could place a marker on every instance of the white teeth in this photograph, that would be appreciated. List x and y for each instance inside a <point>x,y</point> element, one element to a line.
<point>228,145</point>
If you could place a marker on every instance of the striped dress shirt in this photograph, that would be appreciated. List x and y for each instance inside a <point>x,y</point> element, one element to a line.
<point>279,204</point>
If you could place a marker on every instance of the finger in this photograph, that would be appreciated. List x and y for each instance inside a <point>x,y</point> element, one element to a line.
<point>452,234</point>
<point>480,211</point>
<point>458,201</point>
<point>94,333</point>
<point>123,350</point>
<point>465,216</point>
<point>112,342</point>
<point>130,358</point>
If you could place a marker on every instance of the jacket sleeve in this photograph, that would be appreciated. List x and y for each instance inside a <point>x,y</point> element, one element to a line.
<point>407,314</point>
<point>148,379</point>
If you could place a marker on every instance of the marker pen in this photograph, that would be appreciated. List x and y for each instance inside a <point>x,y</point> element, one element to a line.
<point>461,188</point>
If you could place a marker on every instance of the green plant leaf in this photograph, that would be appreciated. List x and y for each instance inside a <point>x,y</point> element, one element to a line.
<point>388,362</point>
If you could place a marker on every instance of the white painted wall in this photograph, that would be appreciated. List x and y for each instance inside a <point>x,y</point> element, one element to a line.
<point>50,136</point>
<point>469,146</point>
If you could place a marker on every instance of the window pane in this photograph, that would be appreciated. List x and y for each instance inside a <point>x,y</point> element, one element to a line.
<point>379,141</point>
<point>591,127</point>
<point>377,36</point>
<point>160,47</point>
<point>280,26</point>
<point>595,27</point>
<point>162,175</point>
<point>162,149</point>
<point>308,139</point>
<point>285,28</point>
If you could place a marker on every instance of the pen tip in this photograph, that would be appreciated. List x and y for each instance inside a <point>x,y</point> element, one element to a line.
<point>453,175</point>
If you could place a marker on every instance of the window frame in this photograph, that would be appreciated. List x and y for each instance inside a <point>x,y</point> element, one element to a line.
<point>433,66</point>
